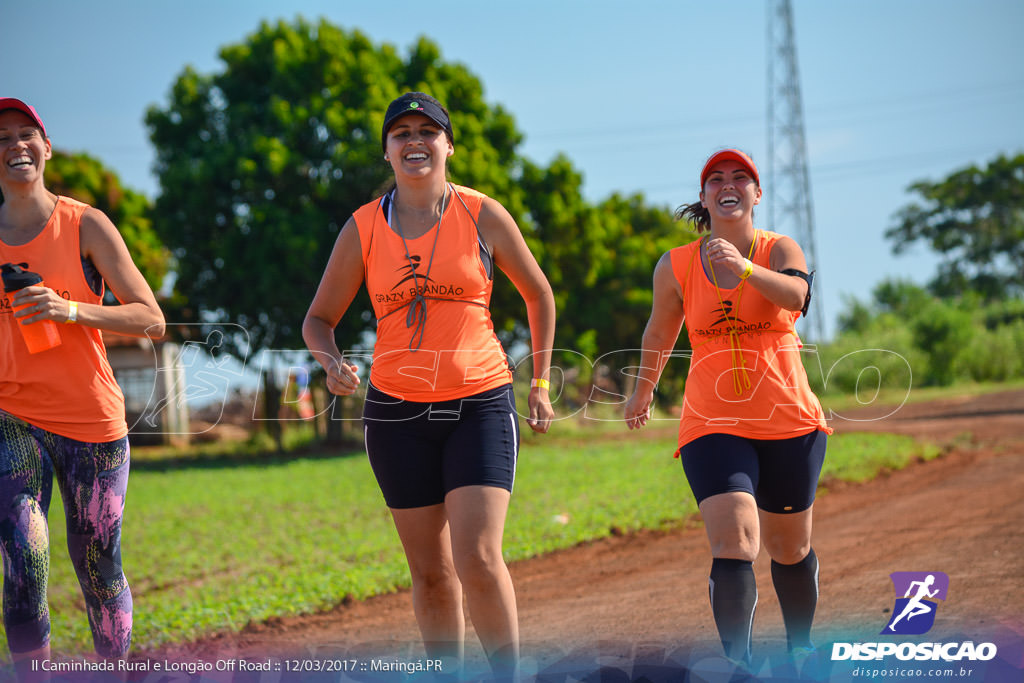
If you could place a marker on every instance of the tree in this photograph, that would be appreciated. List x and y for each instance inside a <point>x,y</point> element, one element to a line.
<point>86,179</point>
<point>638,235</point>
<point>975,218</point>
<point>940,340</point>
<point>262,163</point>
<point>260,166</point>
<point>600,262</point>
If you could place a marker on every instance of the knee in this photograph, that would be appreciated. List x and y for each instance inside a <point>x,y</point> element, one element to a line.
<point>739,543</point>
<point>480,566</point>
<point>786,549</point>
<point>439,577</point>
<point>98,566</point>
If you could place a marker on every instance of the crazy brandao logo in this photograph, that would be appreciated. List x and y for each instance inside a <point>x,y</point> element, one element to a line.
<point>914,612</point>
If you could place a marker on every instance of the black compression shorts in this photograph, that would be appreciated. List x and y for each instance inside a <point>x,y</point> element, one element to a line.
<point>782,474</point>
<point>420,452</point>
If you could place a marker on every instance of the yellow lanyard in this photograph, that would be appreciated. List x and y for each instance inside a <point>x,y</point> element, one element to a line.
<point>740,378</point>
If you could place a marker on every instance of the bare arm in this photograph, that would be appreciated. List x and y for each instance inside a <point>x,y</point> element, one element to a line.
<point>785,291</point>
<point>338,287</point>
<point>659,339</point>
<point>512,255</point>
<point>137,316</point>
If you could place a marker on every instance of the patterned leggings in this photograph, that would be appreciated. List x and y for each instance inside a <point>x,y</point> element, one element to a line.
<point>93,478</point>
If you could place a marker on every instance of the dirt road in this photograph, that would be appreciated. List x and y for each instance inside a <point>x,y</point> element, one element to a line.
<point>642,599</point>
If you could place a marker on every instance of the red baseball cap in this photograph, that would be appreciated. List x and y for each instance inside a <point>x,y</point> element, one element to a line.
<point>728,154</point>
<point>27,109</point>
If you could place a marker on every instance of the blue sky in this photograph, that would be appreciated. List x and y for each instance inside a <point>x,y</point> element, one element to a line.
<point>637,94</point>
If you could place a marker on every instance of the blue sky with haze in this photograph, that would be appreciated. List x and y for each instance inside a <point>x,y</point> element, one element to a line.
<point>636,94</point>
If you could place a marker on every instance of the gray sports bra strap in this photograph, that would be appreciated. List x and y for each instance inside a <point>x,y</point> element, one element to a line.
<point>485,254</point>
<point>416,314</point>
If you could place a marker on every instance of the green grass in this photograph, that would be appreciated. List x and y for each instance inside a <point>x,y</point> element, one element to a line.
<point>859,456</point>
<point>214,546</point>
<point>845,401</point>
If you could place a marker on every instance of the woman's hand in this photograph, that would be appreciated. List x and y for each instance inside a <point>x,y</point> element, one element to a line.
<point>722,252</point>
<point>342,378</point>
<point>638,409</point>
<point>42,304</point>
<point>541,412</point>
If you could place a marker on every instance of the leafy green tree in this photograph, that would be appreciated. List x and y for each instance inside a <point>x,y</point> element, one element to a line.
<point>969,321</point>
<point>600,263</point>
<point>86,179</point>
<point>636,235</point>
<point>941,330</point>
<point>975,219</point>
<point>568,241</point>
<point>941,340</point>
<point>261,164</point>
<point>899,298</point>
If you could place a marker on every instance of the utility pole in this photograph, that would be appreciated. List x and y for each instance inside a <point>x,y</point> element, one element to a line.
<point>790,209</point>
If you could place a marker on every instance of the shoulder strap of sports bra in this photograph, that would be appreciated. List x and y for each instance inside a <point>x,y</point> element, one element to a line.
<point>485,254</point>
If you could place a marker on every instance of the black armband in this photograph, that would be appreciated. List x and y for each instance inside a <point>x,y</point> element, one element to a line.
<point>809,278</point>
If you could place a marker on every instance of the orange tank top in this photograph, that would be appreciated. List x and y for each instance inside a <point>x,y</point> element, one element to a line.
<point>746,377</point>
<point>70,389</point>
<point>453,352</point>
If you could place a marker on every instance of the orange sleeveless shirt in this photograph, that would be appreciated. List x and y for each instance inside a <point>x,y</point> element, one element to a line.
<point>70,389</point>
<point>459,354</point>
<point>745,376</point>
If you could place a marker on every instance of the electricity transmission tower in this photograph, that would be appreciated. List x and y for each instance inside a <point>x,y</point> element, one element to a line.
<point>790,210</point>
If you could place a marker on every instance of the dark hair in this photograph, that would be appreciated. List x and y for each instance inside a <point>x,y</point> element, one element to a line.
<point>695,213</point>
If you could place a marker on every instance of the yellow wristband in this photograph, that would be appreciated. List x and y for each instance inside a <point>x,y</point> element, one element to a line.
<point>72,312</point>
<point>542,383</point>
<point>747,270</point>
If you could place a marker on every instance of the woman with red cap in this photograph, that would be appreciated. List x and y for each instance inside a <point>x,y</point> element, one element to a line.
<point>752,433</point>
<point>61,412</point>
<point>439,419</point>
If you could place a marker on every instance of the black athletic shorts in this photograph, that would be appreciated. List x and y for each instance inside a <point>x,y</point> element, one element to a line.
<point>782,474</point>
<point>421,451</point>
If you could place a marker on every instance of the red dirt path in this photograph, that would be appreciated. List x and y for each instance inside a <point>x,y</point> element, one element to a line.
<point>962,514</point>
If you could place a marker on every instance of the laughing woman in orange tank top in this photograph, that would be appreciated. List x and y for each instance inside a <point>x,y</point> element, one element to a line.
<point>439,419</point>
<point>752,434</point>
<point>61,412</point>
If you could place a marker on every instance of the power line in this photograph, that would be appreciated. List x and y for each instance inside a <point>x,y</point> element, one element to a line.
<point>952,99</point>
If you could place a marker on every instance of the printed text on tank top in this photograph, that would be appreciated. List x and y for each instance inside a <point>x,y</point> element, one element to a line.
<point>416,316</point>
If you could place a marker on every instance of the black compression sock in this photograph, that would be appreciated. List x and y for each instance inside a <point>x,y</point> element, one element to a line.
<point>733,599</point>
<point>797,588</point>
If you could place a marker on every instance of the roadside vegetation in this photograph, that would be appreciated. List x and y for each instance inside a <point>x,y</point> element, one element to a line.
<point>212,546</point>
<point>291,521</point>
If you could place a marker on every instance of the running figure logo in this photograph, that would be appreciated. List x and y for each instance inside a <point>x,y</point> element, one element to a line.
<point>413,272</point>
<point>914,613</point>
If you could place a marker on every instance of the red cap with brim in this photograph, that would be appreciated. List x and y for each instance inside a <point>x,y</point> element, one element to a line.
<point>730,155</point>
<point>26,109</point>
